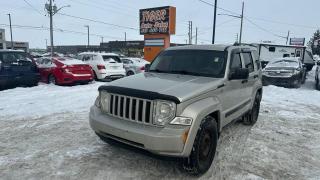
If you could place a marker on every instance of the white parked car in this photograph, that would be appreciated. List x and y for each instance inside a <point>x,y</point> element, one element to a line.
<point>134,65</point>
<point>105,65</point>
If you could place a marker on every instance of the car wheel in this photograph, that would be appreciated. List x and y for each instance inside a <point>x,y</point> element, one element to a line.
<point>251,117</point>
<point>130,73</point>
<point>204,148</point>
<point>52,80</point>
<point>317,84</point>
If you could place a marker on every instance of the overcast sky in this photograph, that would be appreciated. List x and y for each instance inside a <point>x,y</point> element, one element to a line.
<point>266,20</point>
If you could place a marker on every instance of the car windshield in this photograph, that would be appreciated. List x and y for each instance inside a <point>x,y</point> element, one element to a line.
<point>191,62</point>
<point>284,62</point>
<point>10,57</point>
<point>110,58</point>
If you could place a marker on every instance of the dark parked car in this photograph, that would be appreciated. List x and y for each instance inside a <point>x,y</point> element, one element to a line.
<point>17,70</point>
<point>287,72</point>
<point>318,74</point>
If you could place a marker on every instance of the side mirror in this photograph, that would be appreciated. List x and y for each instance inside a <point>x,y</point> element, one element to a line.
<point>147,67</point>
<point>240,73</point>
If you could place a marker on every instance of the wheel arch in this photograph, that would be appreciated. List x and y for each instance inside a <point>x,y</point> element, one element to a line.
<point>198,111</point>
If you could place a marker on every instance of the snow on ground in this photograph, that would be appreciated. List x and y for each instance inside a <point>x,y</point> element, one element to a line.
<point>46,99</point>
<point>45,134</point>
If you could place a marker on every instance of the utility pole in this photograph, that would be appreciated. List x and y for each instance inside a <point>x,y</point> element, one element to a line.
<point>125,36</point>
<point>288,37</point>
<point>190,32</point>
<point>196,35</point>
<point>214,22</point>
<point>88,31</point>
<point>10,30</point>
<point>52,10</point>
<point>241,26</point>
<point>46,43</point>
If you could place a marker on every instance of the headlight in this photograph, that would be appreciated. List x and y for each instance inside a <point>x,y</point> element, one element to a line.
<point>182,121</point>
<point>104,101</point>
<point>164,111</point>
<point>97,102</point>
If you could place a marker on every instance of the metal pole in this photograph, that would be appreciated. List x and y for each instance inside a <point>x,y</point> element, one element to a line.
<point>191,31</point>
<point>101,39</point>
<point>196,35</point>
<point>46,43</point>
<point>10,30</point>
<point>240,39</point>
<point>288,37</point>
<point>214,22</point>
<point>125,36</point>
<point>51,27</point>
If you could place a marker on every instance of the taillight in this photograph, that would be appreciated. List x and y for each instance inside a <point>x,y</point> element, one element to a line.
<point>101,67</point>
<point>142,68</point>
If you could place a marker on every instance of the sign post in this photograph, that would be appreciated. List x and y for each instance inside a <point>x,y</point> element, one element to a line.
<point>297,41</point>
<point>157,24</point>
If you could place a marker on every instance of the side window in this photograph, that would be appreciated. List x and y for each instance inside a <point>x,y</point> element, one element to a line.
<point>248,61</point>
<point>236,62</point>
<point>272,49</point>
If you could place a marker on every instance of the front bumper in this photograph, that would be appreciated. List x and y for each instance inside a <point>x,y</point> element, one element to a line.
<point>158,140</point>
<point>281,81</point>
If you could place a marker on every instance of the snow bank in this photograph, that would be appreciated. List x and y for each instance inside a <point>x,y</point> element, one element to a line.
<point>46,99</point>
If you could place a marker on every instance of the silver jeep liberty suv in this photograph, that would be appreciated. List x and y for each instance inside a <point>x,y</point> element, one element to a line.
<point>179,106</point>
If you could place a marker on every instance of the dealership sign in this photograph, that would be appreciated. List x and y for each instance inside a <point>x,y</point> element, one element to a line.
<point>297,41</point>
<point>160,20</point>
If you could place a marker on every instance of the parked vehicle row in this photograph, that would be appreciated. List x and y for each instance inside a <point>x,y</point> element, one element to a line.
<point>17,68</point>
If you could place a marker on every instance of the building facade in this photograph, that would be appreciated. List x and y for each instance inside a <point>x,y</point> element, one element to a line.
<point>2,39</point>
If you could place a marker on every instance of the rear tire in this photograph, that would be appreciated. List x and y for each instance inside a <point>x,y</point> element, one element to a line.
<point>204,148</point>
<point>52,79</point>
<point>251,117</point>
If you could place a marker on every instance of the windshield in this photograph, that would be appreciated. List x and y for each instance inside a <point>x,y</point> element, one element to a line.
<point>110,58</point>
<point>192,62</point>
<point>284,63</point>
<point>10,57</point>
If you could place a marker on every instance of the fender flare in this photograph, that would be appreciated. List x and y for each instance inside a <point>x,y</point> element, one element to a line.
<point>198,111</point>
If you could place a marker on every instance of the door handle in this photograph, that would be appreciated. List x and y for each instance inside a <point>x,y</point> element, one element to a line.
<point>244,81</point>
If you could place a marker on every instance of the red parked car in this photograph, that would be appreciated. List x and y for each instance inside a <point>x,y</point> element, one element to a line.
<point>63,71</point>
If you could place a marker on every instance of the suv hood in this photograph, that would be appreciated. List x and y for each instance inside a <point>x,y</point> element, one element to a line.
<point>183,87</point>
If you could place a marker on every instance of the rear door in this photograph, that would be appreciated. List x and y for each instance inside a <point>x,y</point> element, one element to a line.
<point>253,73</point>
<point>46,67</point>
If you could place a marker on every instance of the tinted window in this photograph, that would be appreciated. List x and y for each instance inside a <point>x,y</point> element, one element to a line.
<point>9,57</point>
<point>248,61</point>
<point>272,49</point>
<point>110,58</point>
<point>193,62</point>
<point>236,62</point>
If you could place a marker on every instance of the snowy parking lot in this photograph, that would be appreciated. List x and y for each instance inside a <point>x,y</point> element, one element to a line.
<point>45,134</point>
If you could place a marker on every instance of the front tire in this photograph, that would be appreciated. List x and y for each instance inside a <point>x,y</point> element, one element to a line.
<point>204,148</point>
<point>252,116</point>
<point>52,79</point>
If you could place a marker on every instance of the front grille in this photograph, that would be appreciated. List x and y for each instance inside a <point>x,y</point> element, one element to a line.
<point>131,108</point>
<point>281,73</point>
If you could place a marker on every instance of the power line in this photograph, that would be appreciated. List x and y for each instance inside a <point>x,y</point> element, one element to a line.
<point>58,30</point>
<point>263,29</point>
<point>35,9</point>
<point>97,21</point>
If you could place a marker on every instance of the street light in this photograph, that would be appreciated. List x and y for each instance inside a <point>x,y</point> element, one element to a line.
<point>240,17</point>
